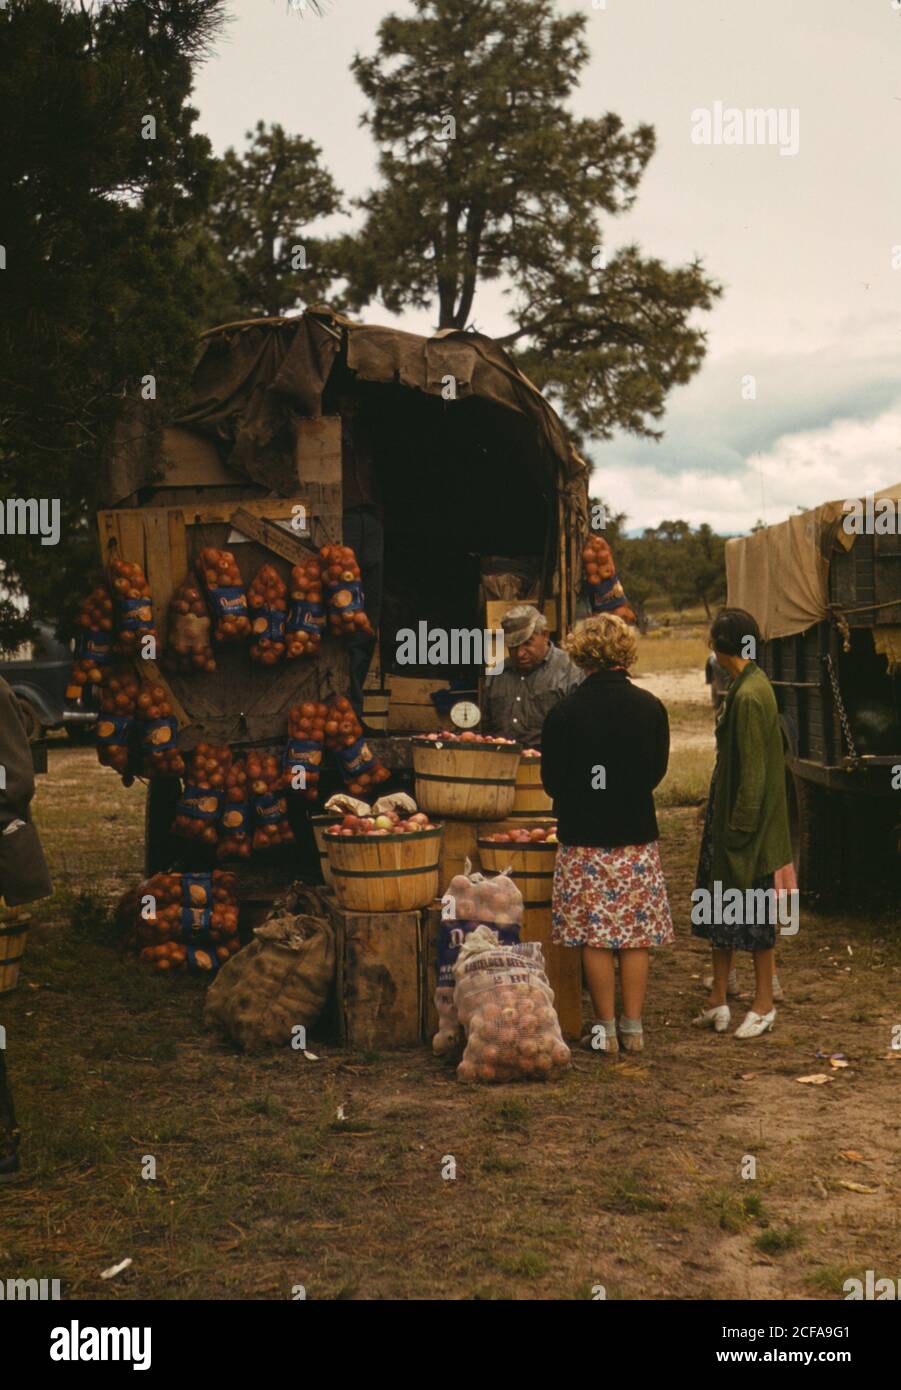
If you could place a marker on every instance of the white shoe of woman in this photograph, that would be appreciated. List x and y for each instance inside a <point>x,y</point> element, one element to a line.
<point>778,991</point>
<point>755,1024</point>
<point>718,1019</point>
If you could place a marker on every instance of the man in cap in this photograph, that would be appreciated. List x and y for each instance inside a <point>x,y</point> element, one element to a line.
<point>536,677</point>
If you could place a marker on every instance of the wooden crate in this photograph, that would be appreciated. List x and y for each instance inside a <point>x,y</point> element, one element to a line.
<point>410,710</point>
<point>378,979</point>
<point>457,844</point>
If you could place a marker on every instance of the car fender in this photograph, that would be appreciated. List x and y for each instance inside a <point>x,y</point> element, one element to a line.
<point>48,715</point>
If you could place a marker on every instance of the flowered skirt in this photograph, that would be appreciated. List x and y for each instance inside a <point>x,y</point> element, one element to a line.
<point>613,898</point>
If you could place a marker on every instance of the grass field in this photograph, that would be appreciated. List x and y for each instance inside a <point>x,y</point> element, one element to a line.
<point>624,1174</point>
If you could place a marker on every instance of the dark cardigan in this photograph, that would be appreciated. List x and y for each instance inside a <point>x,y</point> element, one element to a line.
<point>612,724</point>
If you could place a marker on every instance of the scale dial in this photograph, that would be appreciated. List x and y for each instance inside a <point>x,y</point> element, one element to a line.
<point>465,714</point>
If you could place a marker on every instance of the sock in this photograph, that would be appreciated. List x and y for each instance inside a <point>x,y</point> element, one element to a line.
<point>629,1025</point>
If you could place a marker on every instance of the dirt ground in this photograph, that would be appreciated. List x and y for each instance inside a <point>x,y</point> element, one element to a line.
<point>334,1174</point>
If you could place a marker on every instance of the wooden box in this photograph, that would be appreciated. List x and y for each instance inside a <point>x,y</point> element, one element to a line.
<point>378,978</point>
<point>458,843</point>
<point>410,710</point>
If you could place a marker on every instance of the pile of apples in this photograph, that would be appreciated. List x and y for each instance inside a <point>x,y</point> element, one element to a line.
<point>450,736</point>
<point>390,823</point>
<point>539,835</point>
<point>267,599</point>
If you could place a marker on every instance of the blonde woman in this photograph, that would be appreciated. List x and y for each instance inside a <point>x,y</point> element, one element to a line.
<point>604,750</point>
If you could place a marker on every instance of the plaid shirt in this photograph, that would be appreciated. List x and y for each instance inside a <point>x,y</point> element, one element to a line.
<point>518,702</point>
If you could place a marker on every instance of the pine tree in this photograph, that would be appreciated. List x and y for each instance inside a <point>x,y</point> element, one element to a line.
<point>487,175</point>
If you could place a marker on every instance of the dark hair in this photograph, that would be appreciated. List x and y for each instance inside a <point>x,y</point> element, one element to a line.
<point>729,629</point>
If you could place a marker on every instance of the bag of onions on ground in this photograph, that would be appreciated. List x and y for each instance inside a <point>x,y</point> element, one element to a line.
<point>470,900</point>
<point>506,1005</point>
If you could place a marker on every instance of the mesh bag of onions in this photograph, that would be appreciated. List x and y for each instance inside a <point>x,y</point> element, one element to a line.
<point>506,1006</point>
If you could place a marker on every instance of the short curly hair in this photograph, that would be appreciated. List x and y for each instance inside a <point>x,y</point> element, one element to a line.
<point>603,640</point>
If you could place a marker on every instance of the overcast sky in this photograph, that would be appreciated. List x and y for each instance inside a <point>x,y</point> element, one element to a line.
<point>803,243</point>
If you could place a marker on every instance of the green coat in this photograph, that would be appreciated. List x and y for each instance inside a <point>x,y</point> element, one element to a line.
<point>750,813</point>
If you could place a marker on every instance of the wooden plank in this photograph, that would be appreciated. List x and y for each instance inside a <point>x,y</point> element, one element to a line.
<point>458,843</point>
<point>190,459</point>
<point>159,568</point>
<point>178,543</point>
<point>274,538</point>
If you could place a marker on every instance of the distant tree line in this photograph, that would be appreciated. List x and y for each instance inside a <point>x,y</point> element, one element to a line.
<point>676,562</point>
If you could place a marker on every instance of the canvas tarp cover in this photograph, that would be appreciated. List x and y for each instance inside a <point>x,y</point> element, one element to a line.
<point>254,379</point>
<point>780,574</point>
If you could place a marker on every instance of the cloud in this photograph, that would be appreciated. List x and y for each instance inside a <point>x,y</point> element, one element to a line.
<point>847,457</point>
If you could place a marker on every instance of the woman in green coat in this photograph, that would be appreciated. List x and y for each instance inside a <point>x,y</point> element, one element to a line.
<point>746,834</point>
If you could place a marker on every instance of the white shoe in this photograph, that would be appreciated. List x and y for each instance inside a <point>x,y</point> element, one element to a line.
<point>731,984</point>
<point>778,991</point>
<point>755,1024</point>
<point>718,1019</point>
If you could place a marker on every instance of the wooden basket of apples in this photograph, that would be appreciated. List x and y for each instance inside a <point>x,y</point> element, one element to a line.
<point>467,776</point>
<point>530,851</point>
<point>384,863</point>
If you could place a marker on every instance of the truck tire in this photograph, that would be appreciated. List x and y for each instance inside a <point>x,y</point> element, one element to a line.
<point>812,820</point>
<point>159,812</point>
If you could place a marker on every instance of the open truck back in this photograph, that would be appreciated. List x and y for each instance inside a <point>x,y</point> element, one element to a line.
<point>827,599</point>
<point>475,475</point>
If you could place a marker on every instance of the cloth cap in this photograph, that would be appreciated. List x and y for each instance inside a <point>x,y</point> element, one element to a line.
<point>520,623</point>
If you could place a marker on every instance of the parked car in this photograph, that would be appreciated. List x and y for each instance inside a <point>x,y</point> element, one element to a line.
<point>38,673</point>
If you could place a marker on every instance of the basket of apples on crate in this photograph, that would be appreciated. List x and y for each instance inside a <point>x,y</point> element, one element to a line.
<point>383,858</point>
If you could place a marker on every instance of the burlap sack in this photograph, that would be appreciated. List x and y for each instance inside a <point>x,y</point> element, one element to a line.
<point>280,980</point>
